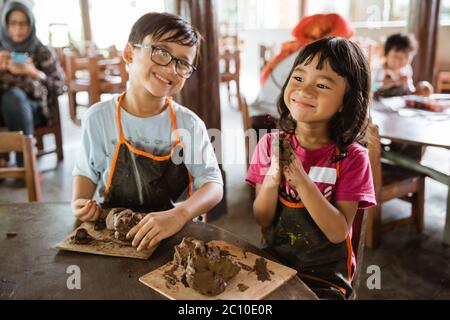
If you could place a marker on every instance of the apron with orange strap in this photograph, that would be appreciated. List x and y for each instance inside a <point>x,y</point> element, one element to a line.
<point>144,182</point>
<point>297,241</point>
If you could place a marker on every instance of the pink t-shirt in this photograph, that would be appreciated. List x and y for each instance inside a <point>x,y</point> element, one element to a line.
<point>352,183</point>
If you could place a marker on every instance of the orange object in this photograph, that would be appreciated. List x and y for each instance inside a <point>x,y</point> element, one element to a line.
<point>309,29</point>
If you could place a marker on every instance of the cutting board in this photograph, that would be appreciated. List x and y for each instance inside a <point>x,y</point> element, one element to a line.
<point>105,244</point>
<point>257,289</point>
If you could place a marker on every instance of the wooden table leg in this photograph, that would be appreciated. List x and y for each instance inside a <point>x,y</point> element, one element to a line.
<point>447,218</point>
<point>433,174</point>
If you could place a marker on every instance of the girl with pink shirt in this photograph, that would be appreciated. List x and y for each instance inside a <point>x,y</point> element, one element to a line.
<point>313,176</point>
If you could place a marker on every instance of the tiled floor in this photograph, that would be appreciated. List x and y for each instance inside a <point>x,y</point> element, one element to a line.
<point>412,266</point>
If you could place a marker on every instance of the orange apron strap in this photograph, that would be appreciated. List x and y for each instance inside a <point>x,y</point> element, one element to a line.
<point>121,140</point>
<point>174,121</point>
<point>119,118</point>
<point>308,276</point>
<point>338,152</point>
<point>349,257</point>
<point>191,185</point>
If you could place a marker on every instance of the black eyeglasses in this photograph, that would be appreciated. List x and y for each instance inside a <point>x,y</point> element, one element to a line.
<point>162,57</point>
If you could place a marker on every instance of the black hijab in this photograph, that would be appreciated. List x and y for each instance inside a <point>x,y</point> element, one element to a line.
<point>31,43</point>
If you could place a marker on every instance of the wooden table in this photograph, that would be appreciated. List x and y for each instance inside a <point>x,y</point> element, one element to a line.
<point>31,267</point>
<point>416,130</point>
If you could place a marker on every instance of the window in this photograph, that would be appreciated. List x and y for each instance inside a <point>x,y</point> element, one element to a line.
<point>111,20</point>
<point>57,20</point>
<point>259,14</point>
<point>364,13</point>
<point>445,12</point>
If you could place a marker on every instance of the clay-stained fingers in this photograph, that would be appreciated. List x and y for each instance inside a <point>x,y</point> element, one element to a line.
<point>142,232</point>
<point>81,207</point>
<point>148,238</point>
<point>133,231</point>
<point>91,211</point>
<point>155,241</point>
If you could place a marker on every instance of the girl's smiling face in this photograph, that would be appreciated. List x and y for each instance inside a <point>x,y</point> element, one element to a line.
<point>159,80</point>
<point>313,95</point>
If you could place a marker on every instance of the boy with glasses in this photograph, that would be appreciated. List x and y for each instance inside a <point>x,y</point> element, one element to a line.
<point>129,142</point>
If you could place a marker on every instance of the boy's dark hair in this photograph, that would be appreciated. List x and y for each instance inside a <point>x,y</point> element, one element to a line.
<point>159,24</point>
<point>400,42</point>
<point>348,61</point>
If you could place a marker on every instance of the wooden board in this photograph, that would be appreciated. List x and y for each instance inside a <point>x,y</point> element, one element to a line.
<point>257,289</point>
<point>105,244</point>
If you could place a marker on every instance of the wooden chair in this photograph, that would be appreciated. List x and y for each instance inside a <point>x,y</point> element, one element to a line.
<point>266,53</point>
<point>247,126</point>
<point>94,75</point>
<point>230,71</point>
<point>53,128</point>
<point>16,141</point>
<point>359,228</point>
<point>392,182</point>
<point>443,82</point>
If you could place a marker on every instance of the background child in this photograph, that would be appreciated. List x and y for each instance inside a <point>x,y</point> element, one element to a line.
<point>394,77</point>
<point>306,208</point>
<point>128,142</point>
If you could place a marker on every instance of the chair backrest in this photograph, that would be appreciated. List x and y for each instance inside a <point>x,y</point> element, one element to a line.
<point>359,228</point>
<point>246,121</point>
<point>231,65</point>
<point>53,127</point>
<point>374,147</point>
<point>266,53</point>
<point>18,142</point>
<point>443,82</point>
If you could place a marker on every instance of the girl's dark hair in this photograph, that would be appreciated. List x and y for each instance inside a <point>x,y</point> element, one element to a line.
<point>348,61</point>
<point>159,24</point>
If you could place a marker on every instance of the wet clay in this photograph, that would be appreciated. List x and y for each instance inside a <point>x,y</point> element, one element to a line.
<point>82,237</point>
<point>261,270</point>
<point>121,220</point>
<point>242,287</point>
<point>206,269</point>
<point>286,152</point>
<point>171,278</point>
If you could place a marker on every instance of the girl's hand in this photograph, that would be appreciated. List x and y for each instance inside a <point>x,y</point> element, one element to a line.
<point>155,227</point>
<point>86,210</point>
<point>295,173</point>
<point>4,58</point>
<point>273,176</point>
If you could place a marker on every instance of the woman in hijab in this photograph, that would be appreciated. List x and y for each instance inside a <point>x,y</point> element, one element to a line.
<point>27,85</point>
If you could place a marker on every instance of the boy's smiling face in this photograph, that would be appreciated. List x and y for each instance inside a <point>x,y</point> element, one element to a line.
<point>314,95</point>
<point>159,81</point>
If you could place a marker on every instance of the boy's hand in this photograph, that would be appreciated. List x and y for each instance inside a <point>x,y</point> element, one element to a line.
<point>294,172</point>
<point>155,227</point>
<point>86,210</point>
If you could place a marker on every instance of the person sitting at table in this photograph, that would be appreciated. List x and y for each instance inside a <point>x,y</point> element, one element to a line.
<point>263,111</point>
<point>394,76</point>
<point>313,175</point>
<point>134,150</point>
<point>26,87</point>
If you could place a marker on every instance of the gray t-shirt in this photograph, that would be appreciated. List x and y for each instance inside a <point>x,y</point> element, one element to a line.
<point>100,135</point>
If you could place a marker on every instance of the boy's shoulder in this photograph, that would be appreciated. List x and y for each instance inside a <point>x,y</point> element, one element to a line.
<point>187,116</point>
